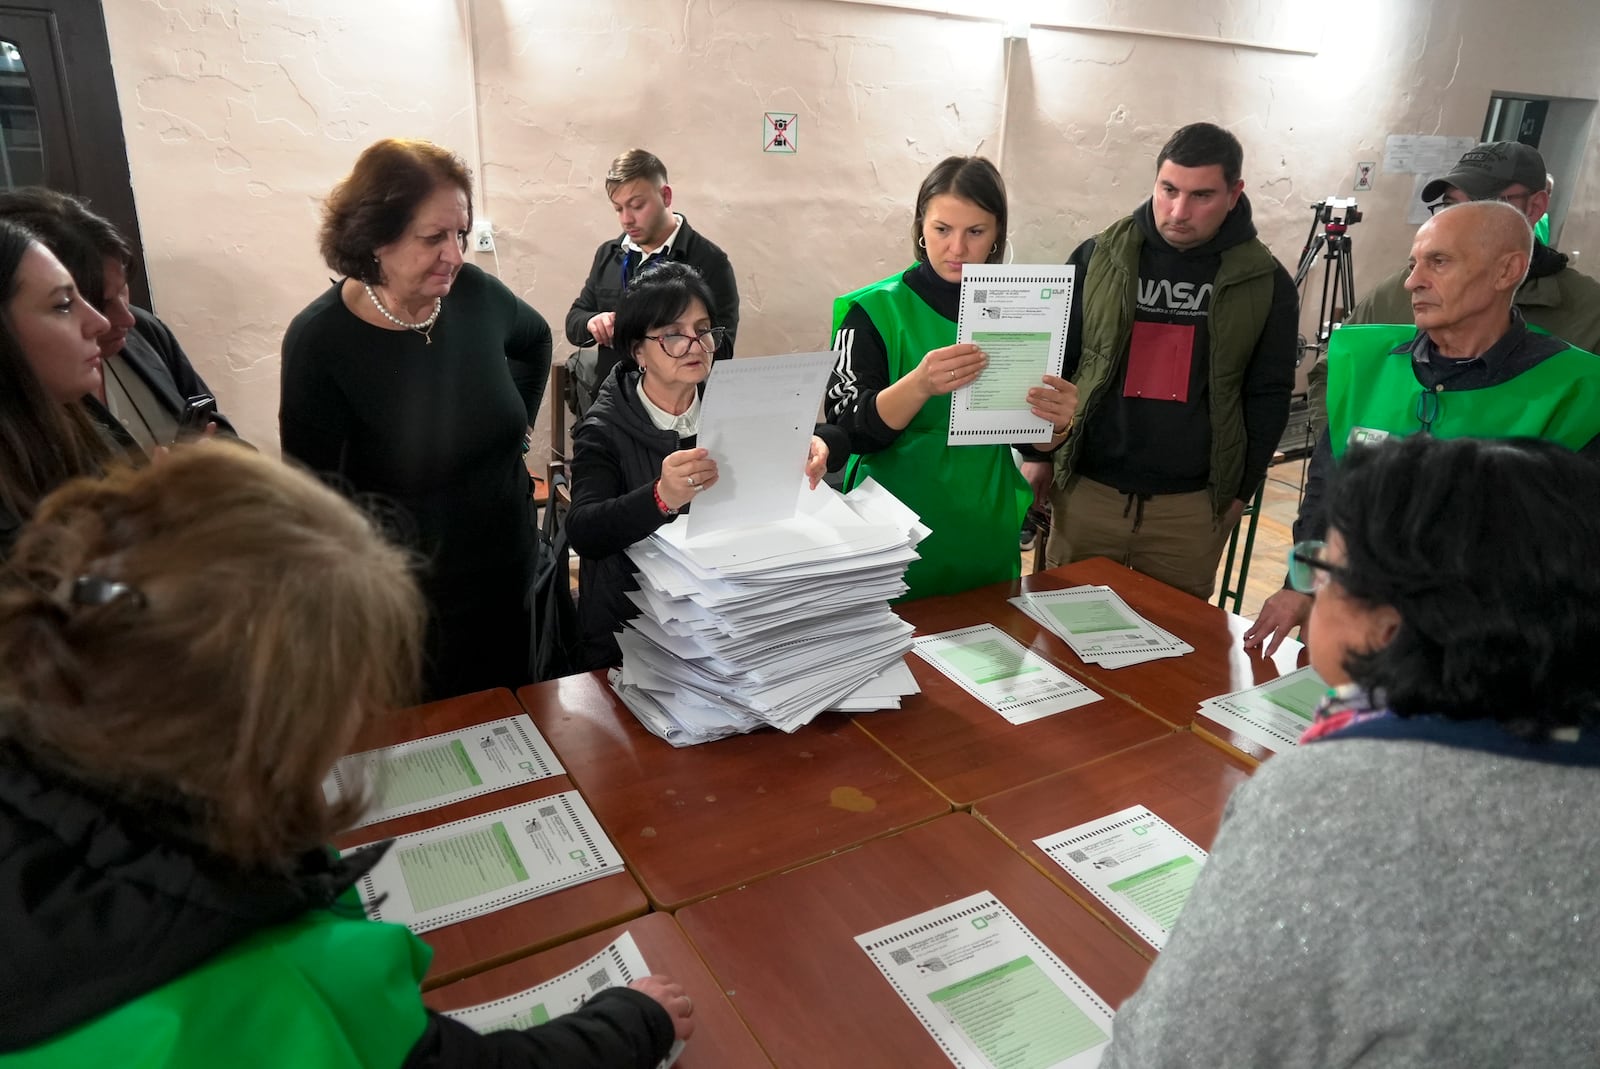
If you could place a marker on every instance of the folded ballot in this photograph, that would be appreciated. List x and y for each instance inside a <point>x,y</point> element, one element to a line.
<point>769,624</point>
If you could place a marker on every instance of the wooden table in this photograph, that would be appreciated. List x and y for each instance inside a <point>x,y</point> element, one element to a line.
<point>720,1038</point>
<point>967,750</point>
<point>473,945</point>
<point>1171,689</point>
<point>784,949</point>
<point>702,819</point>
<point>1180,778</point>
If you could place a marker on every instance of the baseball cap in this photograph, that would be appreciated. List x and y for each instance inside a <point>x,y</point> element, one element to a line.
<point>1488,169</point>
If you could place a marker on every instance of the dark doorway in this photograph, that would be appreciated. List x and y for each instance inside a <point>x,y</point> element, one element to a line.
<point>60,124</point>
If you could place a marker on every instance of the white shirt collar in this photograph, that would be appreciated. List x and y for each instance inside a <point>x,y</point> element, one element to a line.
<point>665,247</point>
<point>686,425</point>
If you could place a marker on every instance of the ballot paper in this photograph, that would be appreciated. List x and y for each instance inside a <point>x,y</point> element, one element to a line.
<point>617,965</point>
<point>1017,314</point>
<point>769,625</point>
<point>756,423</point>
<point>1139,866</point>
<point>988,992</point>
<point>471,867</point>
<point>432,772</point>
<point>1100,627</point>
<point>997,670</point>
<point>1273,714</point>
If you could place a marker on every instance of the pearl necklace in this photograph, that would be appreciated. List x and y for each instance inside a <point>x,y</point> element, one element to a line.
<point>424,328</point>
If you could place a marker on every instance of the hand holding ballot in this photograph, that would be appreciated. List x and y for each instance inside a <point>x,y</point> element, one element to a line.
<point>1056,401</point>
<point>684,474</point>
<point>948,369</point>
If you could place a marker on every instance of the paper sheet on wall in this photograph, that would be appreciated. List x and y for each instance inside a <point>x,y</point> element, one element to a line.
<point>1001,673</point>
<point>1273,714</point>
<point>468,868</point>
<point>428,773</point>
<point>1016,313</point>
<point>756,423</point>
<point>1135,863</point>
<point>617,965</point>
<point>988,991</point>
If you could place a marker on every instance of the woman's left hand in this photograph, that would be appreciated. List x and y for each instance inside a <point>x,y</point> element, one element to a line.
<point>816,461</point>
<point>1057,401</point>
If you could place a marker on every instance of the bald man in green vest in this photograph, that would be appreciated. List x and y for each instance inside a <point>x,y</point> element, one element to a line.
<point>1471,368</point>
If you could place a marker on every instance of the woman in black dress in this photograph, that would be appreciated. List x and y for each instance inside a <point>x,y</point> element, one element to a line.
<point>414,379</point>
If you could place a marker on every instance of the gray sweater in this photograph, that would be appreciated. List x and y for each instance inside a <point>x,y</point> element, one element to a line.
<point>1386,902</point>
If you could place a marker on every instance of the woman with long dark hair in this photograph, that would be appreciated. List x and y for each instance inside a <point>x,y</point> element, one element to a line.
<point>49,360</point>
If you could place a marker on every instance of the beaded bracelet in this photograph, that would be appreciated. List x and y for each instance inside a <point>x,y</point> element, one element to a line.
<point>666,510</point>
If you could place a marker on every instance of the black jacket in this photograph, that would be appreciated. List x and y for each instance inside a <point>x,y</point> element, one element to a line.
<point>616,459</point>
<point>603,289</point>
<point>102,904</point>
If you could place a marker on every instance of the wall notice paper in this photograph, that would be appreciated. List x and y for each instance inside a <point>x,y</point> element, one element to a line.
<point>1001,673</point>
<point>468,868</point>
<point>1100,627</point>
<point>432,772</point>
<point>617,965</point>
<point>1017,314</point>
<point>1135,863</point>
<point>988,992</point>
<point>1273,714</point>
<point>756,421</point>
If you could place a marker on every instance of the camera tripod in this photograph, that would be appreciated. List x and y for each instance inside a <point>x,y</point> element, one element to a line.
<point>1335,215</point>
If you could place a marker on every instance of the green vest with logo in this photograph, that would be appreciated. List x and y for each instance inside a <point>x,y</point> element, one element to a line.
<point>1373,393</point>
<point>324,991</point>
<point>1241,299</point>
<point>972,496</point>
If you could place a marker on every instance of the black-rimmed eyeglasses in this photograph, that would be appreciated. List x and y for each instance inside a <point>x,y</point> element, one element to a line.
<point>1308,572</point>
<point>677,345</point>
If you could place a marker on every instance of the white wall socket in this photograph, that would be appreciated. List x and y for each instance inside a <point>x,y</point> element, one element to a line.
<point>482,236</point>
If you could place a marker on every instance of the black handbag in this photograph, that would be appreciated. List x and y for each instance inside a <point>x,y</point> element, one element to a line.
<point>553,637</point>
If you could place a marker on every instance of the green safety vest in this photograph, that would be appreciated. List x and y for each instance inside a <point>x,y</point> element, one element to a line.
<point>1373,393</point>
<point>972,496</point>
<point>321,992</point>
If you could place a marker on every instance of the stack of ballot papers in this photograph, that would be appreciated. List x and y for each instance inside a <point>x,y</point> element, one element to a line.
<point>771,624</point>
<point>1100,627</point>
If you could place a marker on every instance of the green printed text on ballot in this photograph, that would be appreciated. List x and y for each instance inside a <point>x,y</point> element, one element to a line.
<point>1300,697</point>
<point>1088,617</point>
<point>1016,363</point>
<point>452,870</point>
<point>426,773</point>
<point>1018,1018</point>
<point>1161,891</point>
<point>989,661</point>
<point>531,1017</point>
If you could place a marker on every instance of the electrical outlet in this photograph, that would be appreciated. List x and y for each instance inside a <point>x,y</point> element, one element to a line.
<point>483,236</point>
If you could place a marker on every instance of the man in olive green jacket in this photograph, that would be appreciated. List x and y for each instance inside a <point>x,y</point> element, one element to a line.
<point>1182,345</point>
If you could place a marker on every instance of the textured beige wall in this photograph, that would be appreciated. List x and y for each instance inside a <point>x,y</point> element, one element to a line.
<point>239,117</point>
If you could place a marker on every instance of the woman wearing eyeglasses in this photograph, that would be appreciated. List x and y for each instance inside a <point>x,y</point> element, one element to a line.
<point>1414,884</point>
<point>635,465</point>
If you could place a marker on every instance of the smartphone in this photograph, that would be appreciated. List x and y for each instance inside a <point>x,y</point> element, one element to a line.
<point>198,411</point>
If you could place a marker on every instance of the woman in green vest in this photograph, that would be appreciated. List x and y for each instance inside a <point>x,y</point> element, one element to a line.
<point>898,365</point>
<point>185,651</point>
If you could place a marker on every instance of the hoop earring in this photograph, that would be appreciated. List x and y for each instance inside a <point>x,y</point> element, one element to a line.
<point>994,248</point>
<point>922,242</point>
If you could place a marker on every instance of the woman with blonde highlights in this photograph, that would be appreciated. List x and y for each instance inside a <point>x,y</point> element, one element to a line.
<point>185,651</point>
